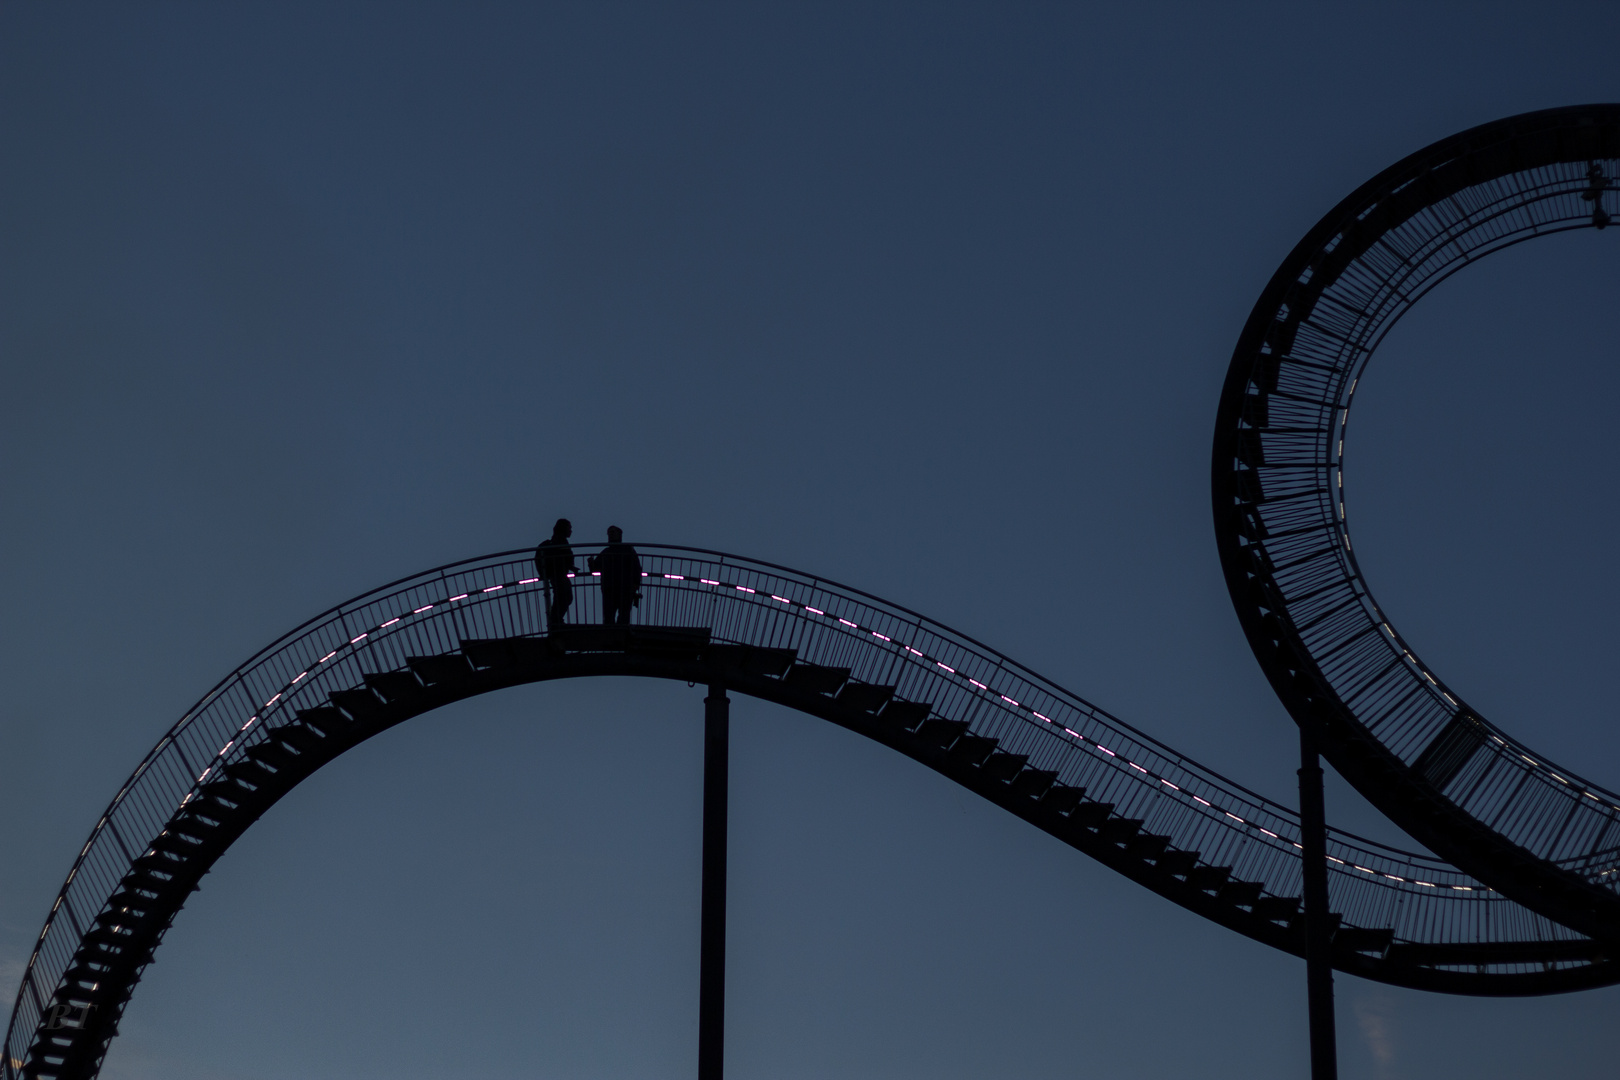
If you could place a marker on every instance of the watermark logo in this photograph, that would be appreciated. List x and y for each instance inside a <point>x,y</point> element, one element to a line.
<point>63,1016</point>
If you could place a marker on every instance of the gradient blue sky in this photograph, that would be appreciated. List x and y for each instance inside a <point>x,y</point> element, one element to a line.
<point>934,300</point>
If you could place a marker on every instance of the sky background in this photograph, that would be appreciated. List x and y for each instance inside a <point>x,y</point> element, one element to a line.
<point>932,300</point>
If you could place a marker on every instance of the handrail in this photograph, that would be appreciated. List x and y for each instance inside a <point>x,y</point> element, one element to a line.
<point>771,605</point>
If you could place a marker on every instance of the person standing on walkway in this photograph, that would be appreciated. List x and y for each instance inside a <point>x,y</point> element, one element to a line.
<point>621,578</point>
<point>554,561</point>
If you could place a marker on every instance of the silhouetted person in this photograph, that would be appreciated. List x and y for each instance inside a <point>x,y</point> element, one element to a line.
<point>1596,185</point>
<point>621,578</point>
<point>554,561</point>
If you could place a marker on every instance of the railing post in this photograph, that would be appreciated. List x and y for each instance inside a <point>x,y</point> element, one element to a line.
<point>712,952</point>
<point>1318,931</point>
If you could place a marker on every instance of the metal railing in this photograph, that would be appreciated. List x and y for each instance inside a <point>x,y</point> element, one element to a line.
<point>1281,450</point>
<point>747,602</point>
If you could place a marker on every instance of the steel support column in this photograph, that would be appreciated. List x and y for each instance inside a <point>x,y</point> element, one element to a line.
<point>1318,930</point>
<point>712,970</point>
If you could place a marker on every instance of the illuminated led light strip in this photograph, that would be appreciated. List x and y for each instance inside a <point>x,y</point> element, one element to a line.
<point>355,641</point>
<point>1008,700</point>
<point>921,655</point>
<point>421,611</point>
<point>1083,740</point>
<point>1388,630</point>
<point>1044,719</point>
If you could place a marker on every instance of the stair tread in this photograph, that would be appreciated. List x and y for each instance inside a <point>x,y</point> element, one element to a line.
<point>394,685</point>
<point>1063,798</point>
<point>442,670</point>
<point>943,733</point>
<point>864,697</point>
<point>1003,766</point>
<point>907,715</point>
<point>816,678</point>
<point>752,659</point>
<point>1033,783</point>
<point>359,703</point>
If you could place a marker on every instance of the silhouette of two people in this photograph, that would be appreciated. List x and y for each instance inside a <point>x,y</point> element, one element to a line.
<point>618,564</point>
<point>620,568</point>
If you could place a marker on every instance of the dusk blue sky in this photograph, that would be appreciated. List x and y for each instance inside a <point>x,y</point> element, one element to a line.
<point>933,300</point>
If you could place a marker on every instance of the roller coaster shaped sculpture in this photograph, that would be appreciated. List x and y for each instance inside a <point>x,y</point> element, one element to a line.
<point>1522,901</point>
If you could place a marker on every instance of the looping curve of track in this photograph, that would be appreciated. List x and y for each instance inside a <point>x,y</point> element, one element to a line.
<point>1532,912</point>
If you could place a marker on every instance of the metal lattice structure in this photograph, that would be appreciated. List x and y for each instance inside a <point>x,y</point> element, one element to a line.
<point>1461,786</point>
<point>1528,915</point>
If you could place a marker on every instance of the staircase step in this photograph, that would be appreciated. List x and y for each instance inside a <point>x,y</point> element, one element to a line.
<point>752,659</point>
<point>175,844</point>
<point>1334,919</point>
<point>106,938</point>
<point>1242,893</point>
<point>273,754</point>
<point>1208,878</point>
<point>154,863</point>
<point>1277,908</point>
<point>73,997</point>
<point>126,921</point>
<point>1091,814</point>
<point>446,670</point>
<point>943,733</point>
<point>971,749</point>
<point>669,641</point>
<point>480,653</point>
<point>190,823</point>
<point>359,703</point>
<point>1003,766</point>
<point>1120,830</point>
<point>1062,797</point>
<point>572,639</point>
<point>905,715</point>
<point>1147,846</point>
<point>154,874</point>
<point>1032,783</point>
<point>395,685</point>
<point>865,697</point>
<point>1358,939</point>
<point>128,900</point>
<point>1458,954</point>
<point>326,720</point>
<point>221,795</point>
<point>249,772</point>
<point>83,973</point>
<point>300,737</point>
<point>531,651</point>
<point>1179,863</point>
<point>816,679</point>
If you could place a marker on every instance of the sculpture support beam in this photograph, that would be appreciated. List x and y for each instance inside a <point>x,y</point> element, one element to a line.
<point>712,971</point>
<point>1318,929</point>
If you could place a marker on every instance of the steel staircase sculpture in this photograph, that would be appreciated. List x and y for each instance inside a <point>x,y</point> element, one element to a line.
<point>1408,742</point>
<point>1532,912</point>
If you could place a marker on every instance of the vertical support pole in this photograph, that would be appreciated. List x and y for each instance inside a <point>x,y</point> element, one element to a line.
<point>712,962</point>
<point>1318,932</point>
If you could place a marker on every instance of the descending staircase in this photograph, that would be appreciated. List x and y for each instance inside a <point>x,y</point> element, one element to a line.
<point>941,699</point>
<point>120,941</point>
<point>1523,901</point>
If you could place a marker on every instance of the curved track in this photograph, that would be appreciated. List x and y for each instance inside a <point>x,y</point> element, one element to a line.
<point>1389,724</point>
<point>974,715</point>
